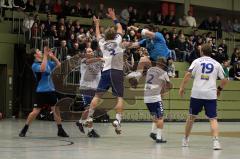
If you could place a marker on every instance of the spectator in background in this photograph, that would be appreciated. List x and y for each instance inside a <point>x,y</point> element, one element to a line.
<point>30,6</point>
<point>27,25</point>
<point>235,56</point>
<point>218,26</point>
<point>37,19</point>
<point>236,26</point>
<point>226,68</point>
<point>224,46</point>
<point>87,12</point>
<point>158,18</point>
<point>191,20</point>
<point>69,25</point>
<point>66,8</point>
<point>45,6</point>
<point>236,69</point>
<point>70,41</point>
<point>194,54</point>
<point>207,24</point>
<point>171,68</point>
<point>134,18</point>
<point>130,11</point>
<point>62,33</point>
<point>220,56</point>
<point>101,12</point>
<point>77,10</point>
<point>77,27</point>
<point>75,50</point>
<point>181,51</point>
<point>183,21</point>
<point>57,7</point>
<point>62,51</point>
<point>48,24</point>
<point>124,18</point>
<point>171,19</point>
<point>54,36</point>
<point>148,18</point>
<point>228,26</point>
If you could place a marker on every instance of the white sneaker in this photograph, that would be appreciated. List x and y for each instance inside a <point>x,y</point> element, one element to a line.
<point>117,126</point>
<point>185,142</point>
<point>216,145</point>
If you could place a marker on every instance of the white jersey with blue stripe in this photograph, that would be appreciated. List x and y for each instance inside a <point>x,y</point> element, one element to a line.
<point>205,72</point>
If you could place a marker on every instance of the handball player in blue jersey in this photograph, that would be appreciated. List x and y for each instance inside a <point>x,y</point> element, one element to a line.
<point>156,46</point>
<point>45,91</point>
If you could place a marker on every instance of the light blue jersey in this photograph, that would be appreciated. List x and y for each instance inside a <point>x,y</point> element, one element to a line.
<point>44,80</point>
<point>156,47</point>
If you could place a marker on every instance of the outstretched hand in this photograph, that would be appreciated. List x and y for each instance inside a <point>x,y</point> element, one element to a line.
<point>111,13</point>
<point>96,20</point>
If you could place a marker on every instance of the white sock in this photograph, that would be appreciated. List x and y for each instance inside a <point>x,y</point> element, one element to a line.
<point>90,129</point>
<point>159,134</point>
<point>154,128</point>
<point>119,117</point>
<point>215,138</point>
<point>90,112</point>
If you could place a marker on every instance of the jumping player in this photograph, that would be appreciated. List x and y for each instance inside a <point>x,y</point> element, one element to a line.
<point>205,72</point>
<point>112,74</point>
<point>156,80</point>
<point>90,76</point>
<point>156,46</point>
<point>45,90</point>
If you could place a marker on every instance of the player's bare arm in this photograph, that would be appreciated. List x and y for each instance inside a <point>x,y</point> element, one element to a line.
<point>111,14</point>
<point>144,32</point>
<point>186,78</point>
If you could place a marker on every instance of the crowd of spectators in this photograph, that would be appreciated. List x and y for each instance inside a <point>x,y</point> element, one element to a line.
<point>70,37</point>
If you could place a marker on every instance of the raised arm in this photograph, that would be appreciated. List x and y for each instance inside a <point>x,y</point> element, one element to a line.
<point>144,32</point>
<point>44,61</point>
<point>97,25</point>
<point>111,14</point>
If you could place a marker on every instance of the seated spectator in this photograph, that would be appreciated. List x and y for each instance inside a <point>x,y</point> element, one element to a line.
<point>54,36</point>
<point>75,50</point>
<point>207,24</point>
<point>224,46</point>
<point>124,18</point>
<point>69,24</point>
<point>87,12</point>
<point>101,12</point>
<point>148,18</point>
<point>45,6</point>
<point>91,34</point>
<point>171,68</point>
<point>212,41</point>
<point>62,51</point>
<point>236,69</point>
<point>70,42</point>
<point>194,54</point>
<point>57,7</point>
<point>30,6</point>
<point>183,21</point>
<point>236,26</point>
<point>77,27</point>
<point>43,31</point>
<point>181,51</point>
<point>218,26</point>
<point>235,56</point>
<point>171,19</point>
<point>228,26</point>
<point>77,10</point>
<point>62,33</point>
<point>130,11</point>
<point>66,8</point>
<point>226,68</point>
<point>158,18</point>
<point>191,20</point>
<point>221,56</point>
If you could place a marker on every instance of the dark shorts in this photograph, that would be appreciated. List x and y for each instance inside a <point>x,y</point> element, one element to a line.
<point>210,107</point>
<point>111,78</point>
<point>156,109</point>
<point>87,96</point>
<point>45,99</point>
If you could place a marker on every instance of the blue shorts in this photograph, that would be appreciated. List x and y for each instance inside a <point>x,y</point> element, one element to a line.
<point>87,96</point>
<point>111,78</point>
<point>156,109</point>
<point>210,107</point>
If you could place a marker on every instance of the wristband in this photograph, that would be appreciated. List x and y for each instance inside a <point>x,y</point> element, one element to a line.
<point>115,21</point>
<point>220,88</point>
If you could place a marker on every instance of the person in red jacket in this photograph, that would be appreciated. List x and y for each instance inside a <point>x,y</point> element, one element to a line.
<point>57,7</point>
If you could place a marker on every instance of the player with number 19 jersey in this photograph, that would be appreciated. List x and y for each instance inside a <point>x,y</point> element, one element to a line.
<point>205,72</point>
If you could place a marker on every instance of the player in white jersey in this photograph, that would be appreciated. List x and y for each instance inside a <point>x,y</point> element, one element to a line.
<point>90,76</point>
<point>112,74</point>
<point>205,72</point>
<point>156,82</point>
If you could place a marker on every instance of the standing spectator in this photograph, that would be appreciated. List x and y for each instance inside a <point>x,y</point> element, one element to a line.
<point>130,11</point>
<point>54,36</point>
<point>148,17</point>
<point>158,18</point>
<point>57,7</point>
<point>48,24</point>
<point>235,56</point>
<point>183,21</point>
<point>62,33</point>
<point>45,6</point>
<point>181,48</point>
<point>66,8</point>
<point>124,18</point>
<point>69,25</point>
<point>229,26</point>
<point>218,26</point>
<point>30,6</point>
<point>77,27</point>
<point>70,42</point>
<point>37,19</point>
<point>191,20</point>
<point>171,19</point>
<point>236,69</point>
<point>77,10</point>
<point>207,24</point>
<point>27,25</point>
<point>134,18</point>
<point>101,12</point>
<point>236,26</point>
<point>62,51</point>
<point>87,12</point>
<point>75,50</point>
<point>224,46</point>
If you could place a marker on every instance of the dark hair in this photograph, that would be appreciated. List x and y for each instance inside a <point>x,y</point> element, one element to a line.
<point>206,50</point>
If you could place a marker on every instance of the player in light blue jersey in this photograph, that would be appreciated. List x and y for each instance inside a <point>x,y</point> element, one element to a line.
<point>156,46</point>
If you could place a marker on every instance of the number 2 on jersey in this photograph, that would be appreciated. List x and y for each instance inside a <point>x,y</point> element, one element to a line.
<point>207,68</point>
<point>149,81</point>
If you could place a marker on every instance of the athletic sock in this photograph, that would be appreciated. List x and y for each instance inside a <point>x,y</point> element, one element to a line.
<point>159,134</point>
<point>119,117</point>
<point>215,138</point>
<point>153,128</point>
<point>90,112</point>
<point>90,129</point>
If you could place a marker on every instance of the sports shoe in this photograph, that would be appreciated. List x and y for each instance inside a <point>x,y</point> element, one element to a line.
<point>62,133</point>
<point>93,134</point>
<point>153,136</point>
<point>117,127</point>
<point>80,127</point>
<point>23,131</point>
<point>216,145</point>
<point>185,142</point>
<point>161,141</point>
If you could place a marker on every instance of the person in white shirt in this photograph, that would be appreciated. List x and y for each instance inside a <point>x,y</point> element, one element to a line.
<point>191,20</point>
<point>205,72</point>
<point>112,73</point>
<point>157,83</point>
